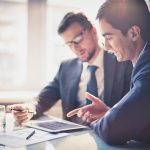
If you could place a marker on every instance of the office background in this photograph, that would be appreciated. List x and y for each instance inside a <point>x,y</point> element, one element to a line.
<point>30,48</point>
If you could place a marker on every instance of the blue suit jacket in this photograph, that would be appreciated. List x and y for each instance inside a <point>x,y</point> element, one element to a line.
<point>65,84</point>
<point>130,117</point>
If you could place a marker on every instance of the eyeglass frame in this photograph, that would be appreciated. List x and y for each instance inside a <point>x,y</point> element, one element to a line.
<point>77,39</point>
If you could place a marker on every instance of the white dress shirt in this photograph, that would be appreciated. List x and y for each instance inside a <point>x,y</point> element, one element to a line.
<point>85,75</point>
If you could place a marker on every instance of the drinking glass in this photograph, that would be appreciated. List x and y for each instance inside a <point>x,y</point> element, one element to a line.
<point>2,118</point>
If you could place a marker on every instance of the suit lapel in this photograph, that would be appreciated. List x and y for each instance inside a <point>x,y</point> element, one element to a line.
<point>135,69</point>
<point>109,75</point>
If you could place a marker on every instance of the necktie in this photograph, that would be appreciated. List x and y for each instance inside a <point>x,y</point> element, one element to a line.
<point>92,83</point>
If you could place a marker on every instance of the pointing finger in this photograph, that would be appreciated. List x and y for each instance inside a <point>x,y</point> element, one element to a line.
<point>73,112</point>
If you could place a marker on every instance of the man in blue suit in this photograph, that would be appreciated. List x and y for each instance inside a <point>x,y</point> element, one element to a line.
<point>69,84</point>
<point>124,25</point>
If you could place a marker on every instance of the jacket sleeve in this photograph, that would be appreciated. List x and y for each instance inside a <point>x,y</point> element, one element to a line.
<point>49,95</point>
<point>129,118</point>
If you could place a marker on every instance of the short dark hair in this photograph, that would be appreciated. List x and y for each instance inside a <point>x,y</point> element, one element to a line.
<point>72,17</point>
<point>123,14</point>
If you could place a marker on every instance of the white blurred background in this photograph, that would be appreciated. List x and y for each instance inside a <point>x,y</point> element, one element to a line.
<point>30,48</point>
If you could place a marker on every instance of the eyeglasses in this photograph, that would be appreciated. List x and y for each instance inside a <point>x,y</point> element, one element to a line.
<point>77,39</point>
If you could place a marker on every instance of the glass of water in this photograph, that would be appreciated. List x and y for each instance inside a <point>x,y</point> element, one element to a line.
<point>2,118</point>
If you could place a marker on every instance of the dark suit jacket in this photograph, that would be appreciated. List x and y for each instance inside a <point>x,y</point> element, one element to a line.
<point>130,117</point>
<point>65,84</point>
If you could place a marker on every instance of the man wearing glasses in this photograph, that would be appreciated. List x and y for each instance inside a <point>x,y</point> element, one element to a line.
<point>70,83</point>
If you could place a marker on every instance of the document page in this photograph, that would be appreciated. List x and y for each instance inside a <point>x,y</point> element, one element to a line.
<point>25,137</point>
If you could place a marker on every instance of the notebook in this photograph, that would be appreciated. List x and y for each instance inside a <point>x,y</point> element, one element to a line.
<point>55,126</point>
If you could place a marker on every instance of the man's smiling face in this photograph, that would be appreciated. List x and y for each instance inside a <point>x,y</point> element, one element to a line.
<point>116,42</point>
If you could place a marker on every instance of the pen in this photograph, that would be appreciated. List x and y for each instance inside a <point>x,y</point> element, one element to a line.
<point>30,135</point>
<point>18,110</point>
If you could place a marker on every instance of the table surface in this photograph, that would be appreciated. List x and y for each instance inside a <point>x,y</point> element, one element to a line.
<point>80,140</point>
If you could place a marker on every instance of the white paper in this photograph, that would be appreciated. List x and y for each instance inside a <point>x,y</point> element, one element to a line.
<point>18,138</point>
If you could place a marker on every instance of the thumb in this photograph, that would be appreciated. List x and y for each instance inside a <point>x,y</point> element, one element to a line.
<point>91,97</point>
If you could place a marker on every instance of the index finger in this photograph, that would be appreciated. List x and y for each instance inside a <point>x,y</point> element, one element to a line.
<point>73,112</point>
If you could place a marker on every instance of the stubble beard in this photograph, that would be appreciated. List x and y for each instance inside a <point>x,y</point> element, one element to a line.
<point>90,55</point>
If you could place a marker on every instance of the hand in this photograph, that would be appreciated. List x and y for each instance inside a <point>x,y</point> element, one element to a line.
<point>90,112</point>
<point>23,114</point>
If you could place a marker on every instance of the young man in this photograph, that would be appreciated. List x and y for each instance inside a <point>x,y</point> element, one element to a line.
<point>70,82</point>
<point>127,35</point>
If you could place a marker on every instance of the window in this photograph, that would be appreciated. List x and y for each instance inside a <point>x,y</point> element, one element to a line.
<point>30,48</point>
<point>13,46</point>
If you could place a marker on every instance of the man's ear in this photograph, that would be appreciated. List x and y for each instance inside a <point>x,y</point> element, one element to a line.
<point>94,30</point>
<point>134,33</point>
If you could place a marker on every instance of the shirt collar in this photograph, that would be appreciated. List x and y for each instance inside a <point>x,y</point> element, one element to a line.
<point>99,59</point>
<point>97,62</point>
<point>140,53</point>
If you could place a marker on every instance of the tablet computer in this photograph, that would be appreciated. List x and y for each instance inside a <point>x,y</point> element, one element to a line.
<point>55,126</point>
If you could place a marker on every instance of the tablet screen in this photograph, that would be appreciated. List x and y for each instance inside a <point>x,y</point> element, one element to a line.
<point>54,126</point>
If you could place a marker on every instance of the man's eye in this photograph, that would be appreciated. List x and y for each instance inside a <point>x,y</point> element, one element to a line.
<point>108,37</point>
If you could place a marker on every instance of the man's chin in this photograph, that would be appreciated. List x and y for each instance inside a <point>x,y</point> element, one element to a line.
<point>119,59</point>
<point>86,58</point>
